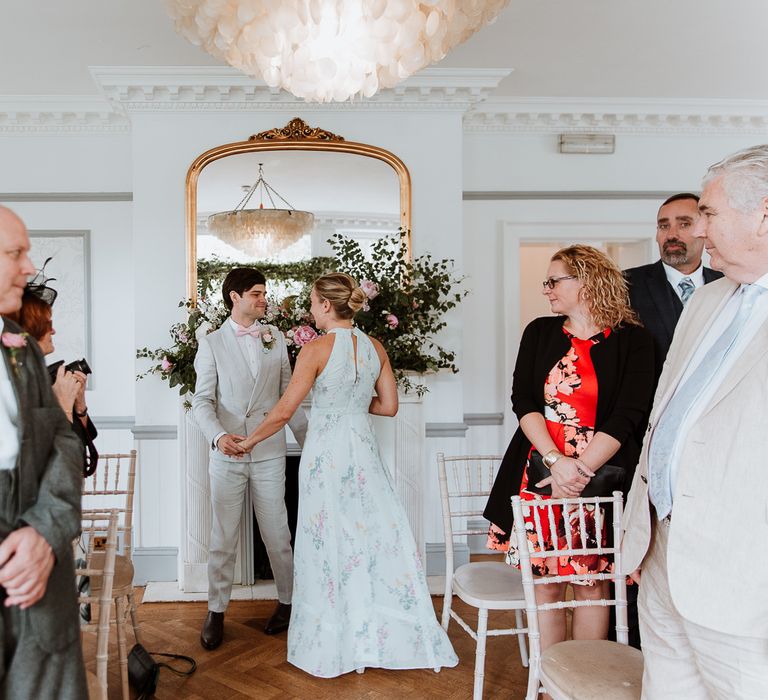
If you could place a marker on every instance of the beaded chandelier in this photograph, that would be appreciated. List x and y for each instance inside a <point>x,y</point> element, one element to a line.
<point>261,232</point>
<point>331,50</point>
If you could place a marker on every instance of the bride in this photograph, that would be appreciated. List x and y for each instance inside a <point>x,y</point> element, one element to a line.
<point>360,596</point>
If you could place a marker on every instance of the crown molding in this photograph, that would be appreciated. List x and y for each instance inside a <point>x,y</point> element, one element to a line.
<point>60,114</point>
<point>127,90</point>
<point>170,89</point>
<point>639,116</point>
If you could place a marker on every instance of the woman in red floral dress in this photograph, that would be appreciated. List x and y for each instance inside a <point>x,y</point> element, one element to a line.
<point>582,390</point>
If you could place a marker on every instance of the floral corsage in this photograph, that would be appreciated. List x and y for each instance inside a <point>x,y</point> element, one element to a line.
<point>14,342</point>
<point>267,338</point>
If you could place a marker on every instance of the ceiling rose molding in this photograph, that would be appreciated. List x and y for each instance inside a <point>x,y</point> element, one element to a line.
<point>59,114</point>
<point>136,89</point>
<point>552,115</point>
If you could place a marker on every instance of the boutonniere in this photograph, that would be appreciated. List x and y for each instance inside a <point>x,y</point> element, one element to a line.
<point>14,342</point>
<point>267,339</point>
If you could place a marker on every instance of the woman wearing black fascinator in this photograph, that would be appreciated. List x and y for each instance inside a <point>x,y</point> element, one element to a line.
<point>36,318</point>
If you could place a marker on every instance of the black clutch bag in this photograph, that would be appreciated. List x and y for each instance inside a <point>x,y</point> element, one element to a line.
<point>606,480</point>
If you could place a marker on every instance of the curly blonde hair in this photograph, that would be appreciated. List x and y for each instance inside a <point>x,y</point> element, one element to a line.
<point>604,289</point>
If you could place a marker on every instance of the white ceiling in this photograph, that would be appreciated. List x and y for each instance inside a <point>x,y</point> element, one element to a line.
<point>558,48</point>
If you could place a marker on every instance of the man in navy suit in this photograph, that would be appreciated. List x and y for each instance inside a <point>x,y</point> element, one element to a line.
<point>659,291</point>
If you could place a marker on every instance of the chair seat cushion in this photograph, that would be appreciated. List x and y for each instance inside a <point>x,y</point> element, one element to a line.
<point>123,574</point>
<point>592,670</point>
<point>492,585</point>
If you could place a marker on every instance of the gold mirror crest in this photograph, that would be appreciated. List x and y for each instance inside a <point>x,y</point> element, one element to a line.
<point>296,130</point>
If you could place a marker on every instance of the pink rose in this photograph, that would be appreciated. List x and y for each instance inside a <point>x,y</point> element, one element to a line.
<point>303,335</point>
<point>166,365</point>
<point>266,337</point>
<point>392,321</point>
<point>14,340</point>
<point>371,289</point>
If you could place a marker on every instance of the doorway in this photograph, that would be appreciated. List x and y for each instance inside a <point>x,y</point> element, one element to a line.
<point>535,256</point>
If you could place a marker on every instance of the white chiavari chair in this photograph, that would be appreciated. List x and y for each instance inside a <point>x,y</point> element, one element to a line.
<point>578,669</point>
<point>465,483</point>
<point>96,550</point>
<point>112,486</point>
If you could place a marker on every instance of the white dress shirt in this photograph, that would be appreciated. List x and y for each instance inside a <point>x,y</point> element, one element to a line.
<point>675,276</point>
<point>250,346</point>
<point>757,318</point>
<point>9,416</point>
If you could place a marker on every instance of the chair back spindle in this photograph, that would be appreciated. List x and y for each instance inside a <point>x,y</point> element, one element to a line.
<point>112,486</point>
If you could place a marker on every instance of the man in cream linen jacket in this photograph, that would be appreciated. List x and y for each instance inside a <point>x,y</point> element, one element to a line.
<point>696,522</point>
<point>242,370</point>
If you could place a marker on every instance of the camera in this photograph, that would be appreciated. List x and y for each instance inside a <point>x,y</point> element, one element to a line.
<point>76,366</point>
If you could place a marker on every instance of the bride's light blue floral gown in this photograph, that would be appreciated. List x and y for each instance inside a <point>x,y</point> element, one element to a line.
<point>360,596</point>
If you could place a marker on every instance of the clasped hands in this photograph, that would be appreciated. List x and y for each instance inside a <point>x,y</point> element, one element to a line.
<point>568,479</point>
<point>234,445</point>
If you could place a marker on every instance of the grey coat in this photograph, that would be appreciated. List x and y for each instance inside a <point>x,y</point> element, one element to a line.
<point>49,484</point>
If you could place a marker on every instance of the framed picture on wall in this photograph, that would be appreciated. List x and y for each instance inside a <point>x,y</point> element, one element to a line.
<point>70,272</point>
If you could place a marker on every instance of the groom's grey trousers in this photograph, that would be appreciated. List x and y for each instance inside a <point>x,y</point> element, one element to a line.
<point>229,480</point>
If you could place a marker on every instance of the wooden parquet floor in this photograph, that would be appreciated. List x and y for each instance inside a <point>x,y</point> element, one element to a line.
<point>250,664</point>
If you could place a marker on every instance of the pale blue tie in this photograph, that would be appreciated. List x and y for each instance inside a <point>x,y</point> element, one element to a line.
<point>667,429</point>
<point>687,288</point>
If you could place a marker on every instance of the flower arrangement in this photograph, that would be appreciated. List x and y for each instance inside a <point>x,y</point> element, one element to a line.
<point>406,304</point>
<point>175,364</point>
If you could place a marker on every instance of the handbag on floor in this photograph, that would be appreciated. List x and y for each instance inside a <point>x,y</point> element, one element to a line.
<point>144,671</point>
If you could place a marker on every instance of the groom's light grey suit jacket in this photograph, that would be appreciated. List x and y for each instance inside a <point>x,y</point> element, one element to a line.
<point>228,400</point>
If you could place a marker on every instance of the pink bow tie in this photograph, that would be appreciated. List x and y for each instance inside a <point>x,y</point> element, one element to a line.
<point>253,331</point>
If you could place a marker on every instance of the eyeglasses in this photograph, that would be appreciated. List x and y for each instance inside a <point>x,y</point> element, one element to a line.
<point>551,282</point>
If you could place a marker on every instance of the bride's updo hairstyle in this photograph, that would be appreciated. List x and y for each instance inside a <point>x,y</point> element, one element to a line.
<point>343,292</point>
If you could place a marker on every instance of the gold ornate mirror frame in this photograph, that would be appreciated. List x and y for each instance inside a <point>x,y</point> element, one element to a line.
<point>297,135</point>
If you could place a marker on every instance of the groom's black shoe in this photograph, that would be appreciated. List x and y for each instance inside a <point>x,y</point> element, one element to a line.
<point>213,630</point>
<point>279,620</point>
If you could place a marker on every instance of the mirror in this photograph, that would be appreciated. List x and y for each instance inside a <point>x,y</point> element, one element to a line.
<point>355,189</point>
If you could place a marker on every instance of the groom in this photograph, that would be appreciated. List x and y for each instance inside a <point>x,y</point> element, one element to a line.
<point>242,370</point>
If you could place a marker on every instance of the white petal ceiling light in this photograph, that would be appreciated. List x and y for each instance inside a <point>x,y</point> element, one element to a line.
<point>331,50</point>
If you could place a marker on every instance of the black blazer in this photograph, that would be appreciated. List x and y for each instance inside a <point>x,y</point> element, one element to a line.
<point>624,365</point>
<point>657,304</point>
